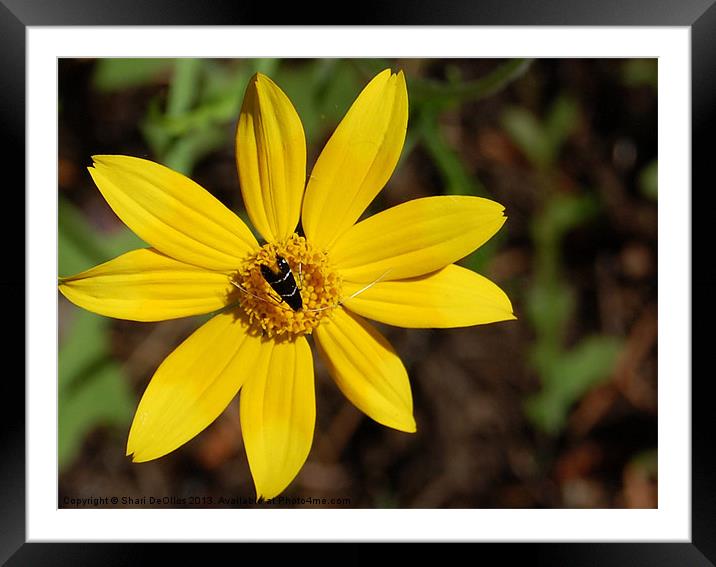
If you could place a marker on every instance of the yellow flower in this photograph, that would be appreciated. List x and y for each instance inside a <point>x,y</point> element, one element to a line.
<point>395,267</point>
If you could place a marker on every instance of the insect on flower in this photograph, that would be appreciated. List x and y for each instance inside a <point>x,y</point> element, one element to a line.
<point>283,283</point>
<point>396,267</point>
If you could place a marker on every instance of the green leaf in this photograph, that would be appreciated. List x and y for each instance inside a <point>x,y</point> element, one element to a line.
<point>337,87</point>
<point>548,308</point>
<point>528,135</point>
<point>153,128</point>
<point>649,180</point>
<point>569,378</point>
<point>121,241</point>
<point>546,412</point>
<point>647,461</point>
<point>478,260</point>
<point>92,389</point>
<point>321,91</point>
<point>116,74</point>
<point>585,366</point>
<point>202,107</point>
<point>540,141</point>
<point>565,376</point>
<point>456,177</point>
<point>561,214</point>
<point>86,344</point>
<point>561,122</point>
<point>265,65</point>
<point>80,246</point>
<point>639,72</point>
<point>455,91</point>
<point>183,155</point>
<point>100,399</point>
<point>184,87</point>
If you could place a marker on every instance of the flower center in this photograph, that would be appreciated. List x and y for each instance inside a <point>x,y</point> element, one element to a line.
<point>286,288</point>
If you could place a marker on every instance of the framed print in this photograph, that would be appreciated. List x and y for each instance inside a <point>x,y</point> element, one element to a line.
<point>400,282</point>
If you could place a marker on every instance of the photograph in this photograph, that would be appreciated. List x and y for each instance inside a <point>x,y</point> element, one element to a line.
<point>375,283</point>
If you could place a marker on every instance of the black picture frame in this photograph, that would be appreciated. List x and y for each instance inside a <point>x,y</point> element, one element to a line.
<point>17,15</point>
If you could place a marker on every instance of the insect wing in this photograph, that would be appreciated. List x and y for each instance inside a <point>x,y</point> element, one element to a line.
<point>283,283</point>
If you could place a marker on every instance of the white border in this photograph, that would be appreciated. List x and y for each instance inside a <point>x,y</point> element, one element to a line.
<point>670,522</point>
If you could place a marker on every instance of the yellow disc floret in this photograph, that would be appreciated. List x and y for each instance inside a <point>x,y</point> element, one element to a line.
<point>318,284</point>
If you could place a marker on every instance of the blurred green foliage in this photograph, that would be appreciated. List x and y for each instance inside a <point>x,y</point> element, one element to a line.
<point>81,245</point>
<point>429,99</point>
<point>649,180</point>
<point>541,141</point>
<point>192,121</point>
<point>647,461</point>
<point>205,96</point>
<point>641,72</point>
<point>117,74</point>
<point>93,389</point>
<point>566,374</point>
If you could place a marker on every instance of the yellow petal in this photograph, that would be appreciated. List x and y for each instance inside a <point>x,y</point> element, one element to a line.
<point>451,297</point>
<point>193,386</point>
<point>172,213</point>
<point>358,159</point>
<point>416,238</point>
<point>271,159</point>
<point>366,369</point>
<point>146,285</point>
<point>278,414</point>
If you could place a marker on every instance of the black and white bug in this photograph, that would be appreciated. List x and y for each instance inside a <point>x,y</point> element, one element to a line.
<point>283,283</point>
